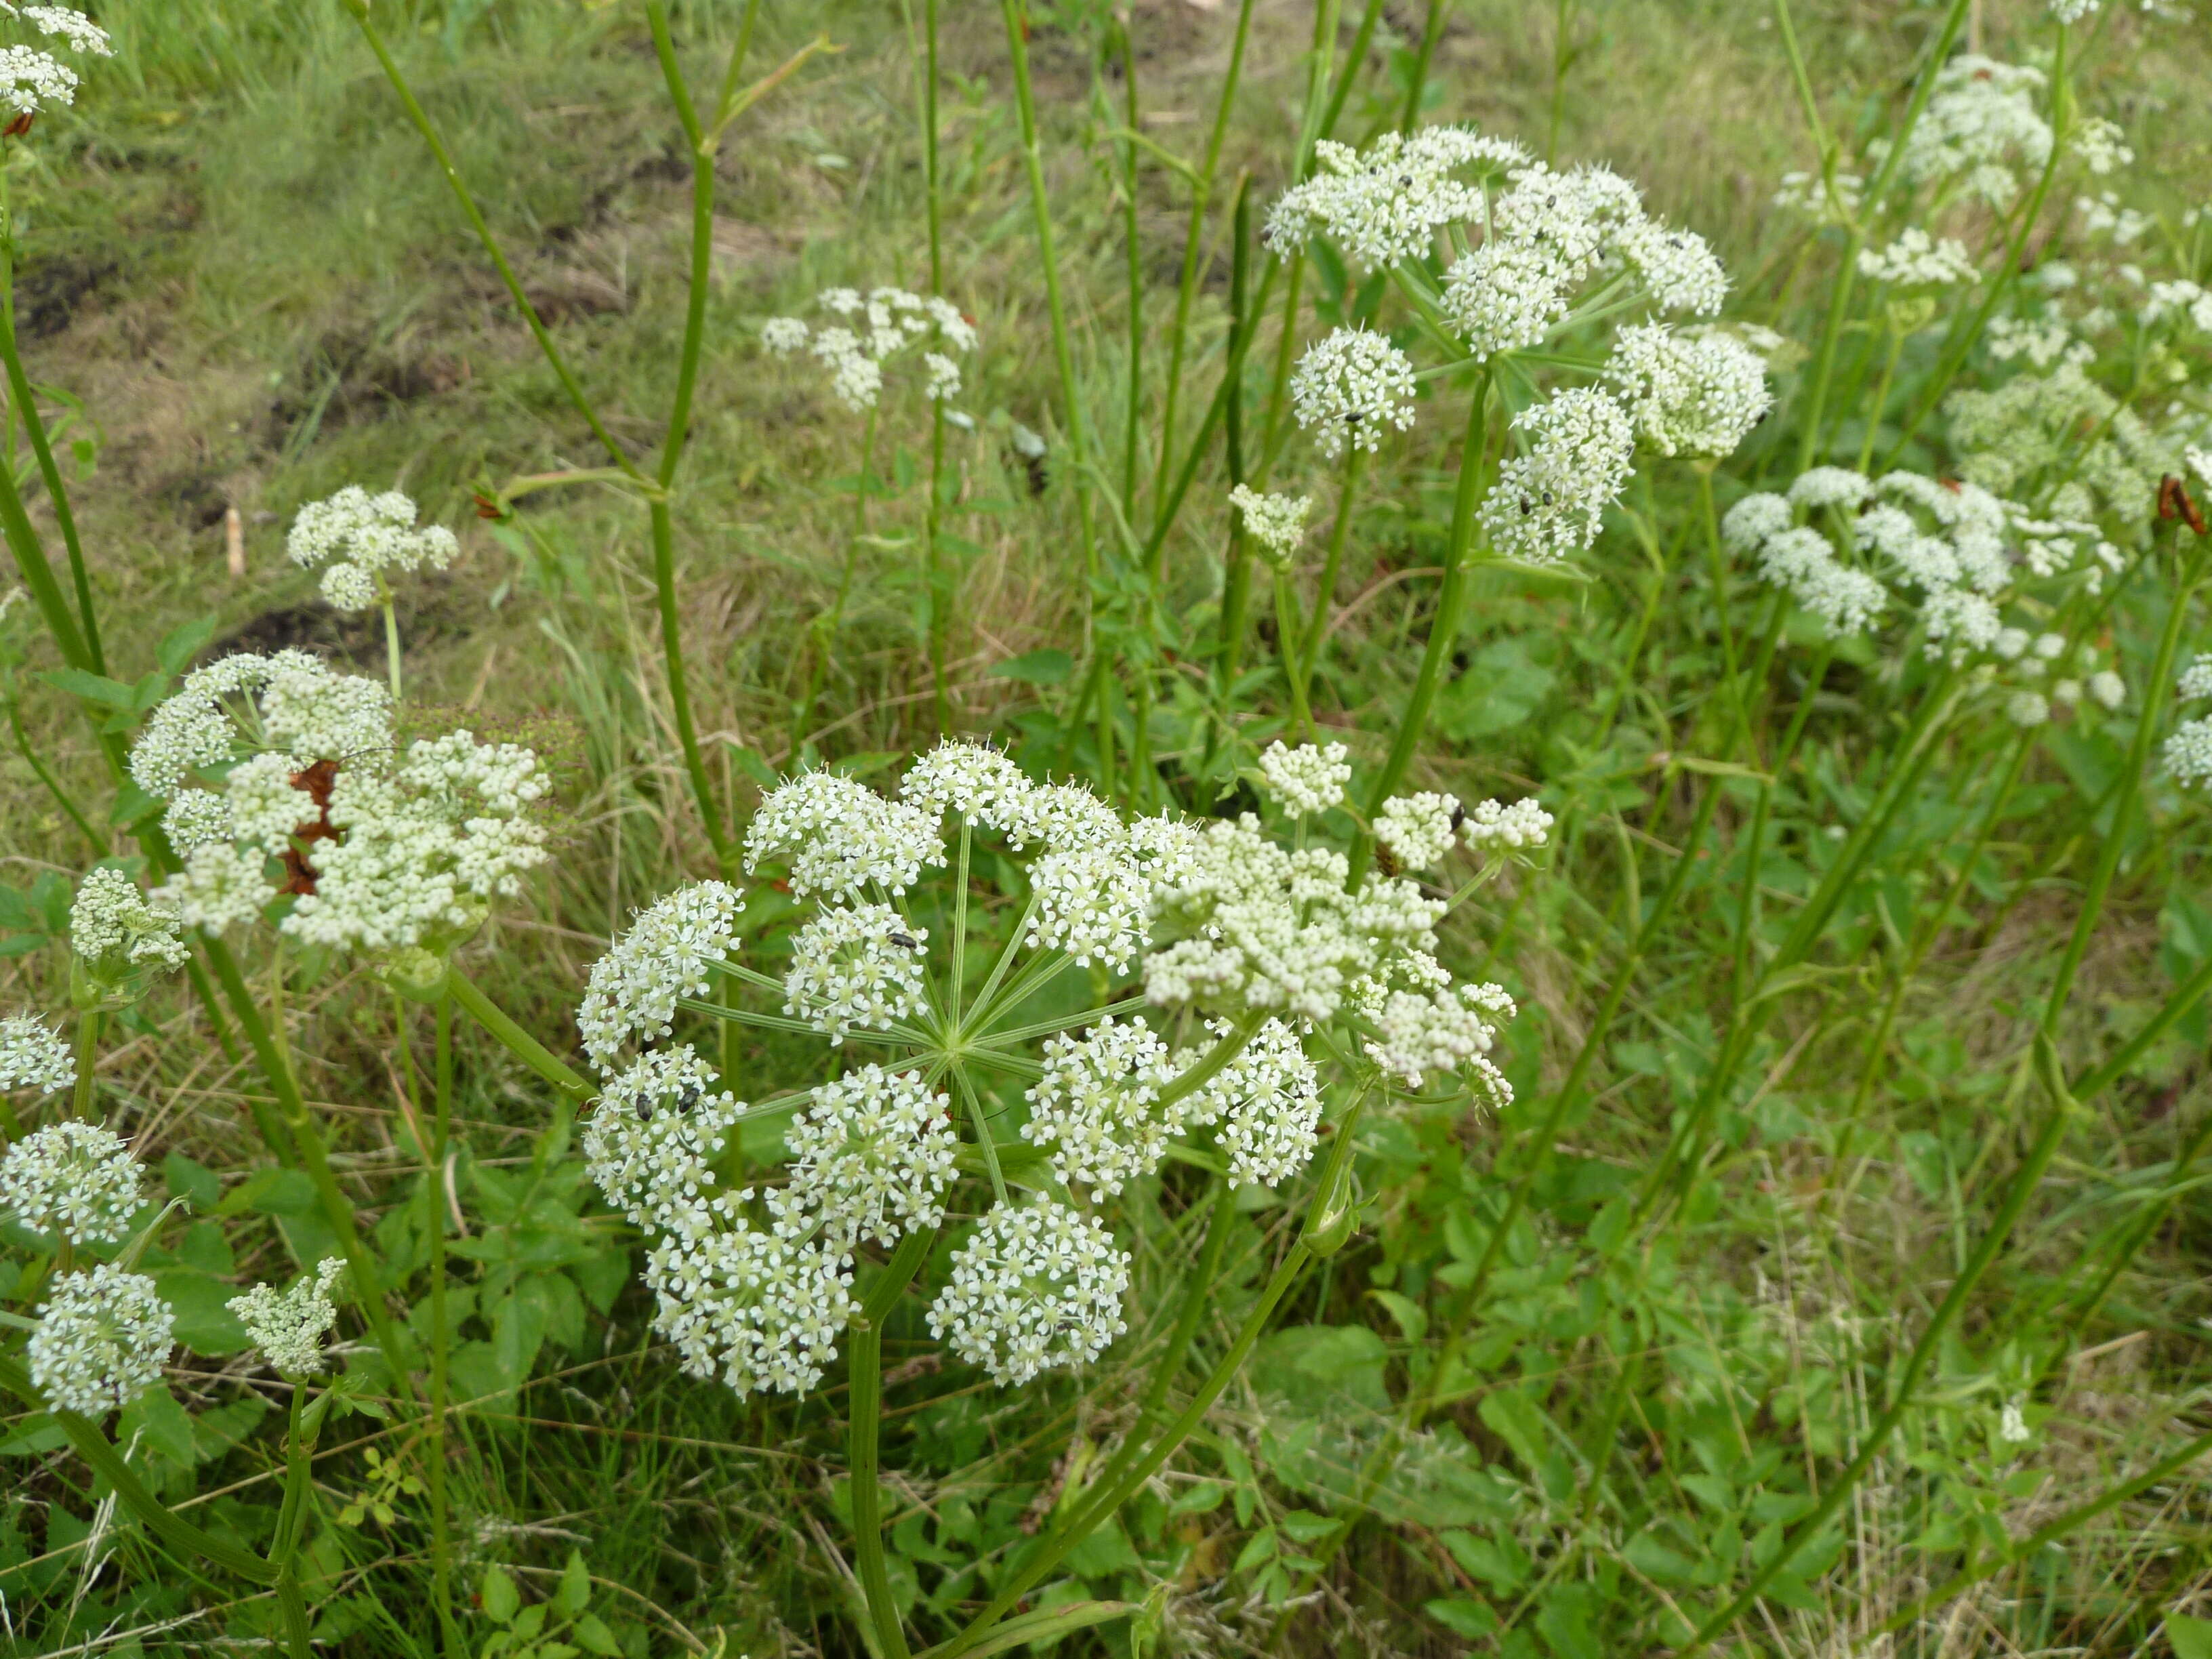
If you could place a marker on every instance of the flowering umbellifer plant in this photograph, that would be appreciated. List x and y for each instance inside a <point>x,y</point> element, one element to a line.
<point>987,1089</point>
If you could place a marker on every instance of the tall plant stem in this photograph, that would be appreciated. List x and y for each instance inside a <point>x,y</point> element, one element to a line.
<point>1332,567</point>
<point>1718,559</point>
<point>827,625</point>
<point>291,1520</point>
<point>938,578</point>
<point>1201,196</point>
<point>391,648</point>
<point>1287,634</point>
<point>306,1140</point>
<point>442,1546</point>
<point>462,195</point>
<point>1444,626</point>
<point>88,1064</point>
<point>864,1419</point>
<point>1063,348</point>
<point>518,1043</point>
<point>1432,30</point>
<point>1754,846</point>
<point>1236,576</point>
<point>26,399</point>
<point>1089,1514</point>
<point>1134,256</point>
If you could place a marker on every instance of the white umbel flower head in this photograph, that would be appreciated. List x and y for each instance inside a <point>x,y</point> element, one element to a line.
<point>1495,829</point>
<point>1308,779</point>
<point>2108,688</point>
<point>1697,396</point>
<point>977,782</point>
<point>1548,503</point>
<point>871,1157</point>
<point>2026,708</point>
<point>2195,682</point>
<point>120,940</point>
<point>667,953</point>
<point>1387,204</point>
<point>1417,830</point>
<point>103,1336</point>
<point>1507,296</point>
<point>783,335</point>
<point>1092,904</point>
<point>73,1181</point>
<point>1265,1105</point>
<point>70,26</point>
<point>1680,269</point>
<point>1349,386</point>
<point>1980,129</point>
<point>32,1057</point>
<point>31,81</point>
<point>1802,562</point>
<point>1246,927</point>
<point>837,836</point>
<point>287,703</point>
<point>884,324</point>
<point>1092,1109</point>
<point>650,1141</point>
<point>2188,753</point>
<point>1917,260</point>
<point>1749,524</point>
<point>1277,523</point>
<point>1036,1288</point>
<point>1424,1024</point>
<point>763,1311</point>
<point>360,540</point>
<point>290,1327</point>
<point>857,967</point>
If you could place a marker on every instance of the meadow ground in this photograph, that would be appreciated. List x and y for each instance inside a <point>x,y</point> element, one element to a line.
<point>240,285</point>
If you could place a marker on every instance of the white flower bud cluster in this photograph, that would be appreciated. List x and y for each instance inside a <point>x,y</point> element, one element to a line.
<point>32,1057</point>
<point>1308,779</point>
<point>103,1336</point>
<point>872,1157</point>
<point>837,836</point>
<point>1092,902</point>
<point>650,1141</point>
<point>1092,1109</point>
<point>2187,753</point>
<point>882,324</point>
<point>120,938</point>
<point>1349,386</point>
<point>288,703</point>
<point>1387,205</point>
<point>31,80</point>
<point>1036,1286</point>
<point>1417,830</point>
<point>73,1181</point>
<point>1495,829</point>
<point>1980,131</point>
<point>1251,927</point>
<point>861,966</point>
<point>1265,1105</point>
<point>290,1327</point>
<point>2032,428</point>
<point>1689,395</point>
<point>760,1311</point>
<point>1916,259</point>
<point>1809,193</point>
<point>1277,523</point>
<point>666,953</point>
<point>1548,502</point>
<point>1423,1024</point>
<point>359,539</point>
<point>2100,146</point>
<point>975,781</point>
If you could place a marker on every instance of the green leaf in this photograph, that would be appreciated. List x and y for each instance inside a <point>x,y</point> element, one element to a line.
<point>203,1322</point>
<point>575,1591</point>
<point>1462,1616</point>
<point>1047,667</point>
<point>93,688</point>
<point>192,1182</point>
<point>181,644</point>
<point>501,1600</point>
<point>592,1635</point>
<point>2190,1638</point>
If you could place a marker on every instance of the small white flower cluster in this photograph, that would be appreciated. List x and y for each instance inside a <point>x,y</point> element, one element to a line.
<point>1980,131</point>
<point>1549,500</point>
<point>1809,193</point>
<point>1308,779</point>
<point>1496,829</point>
<point>1091,904</point>
<point>837,838</point>
<point>760,1311</point>
<point>1916,260</point>
<point>1265,1105</point>
<point>385,854</point>
<point>73,1181</point>
<point>120,938</point>
<point>976,783</point>
<point>1250,927</point>
<point>103,1336</point>
<point>855,967</point>
<point>1386,205</point>
<point>291,1326</point>
<point>666,953</point>
<point>1349,386</point>
<point>1093,1108</point>
<point>2059,440</point>
<point>358,539</point>
<point>2187,752</point>
<point>1420,1024</point>
<point>1277,523</point>
<point>2100,146</point>
<point>1696,395</point>
<point>32,1057</point>
<point>2181,299</point>
<point>31,80</point>
<point>878,326</point>
<point>1036,1286</point>
<point>1417,830</point>
<point>871,1158</point>
<point>653,1137</point>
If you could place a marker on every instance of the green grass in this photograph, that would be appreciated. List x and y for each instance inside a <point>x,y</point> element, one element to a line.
<point>238,258</point>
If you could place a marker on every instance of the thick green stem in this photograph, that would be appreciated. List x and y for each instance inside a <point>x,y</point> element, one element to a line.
<point>864,1419</point>
<point>1444,626</point>
<point>88,1064</point>
<point>1432,30</point>
<point>441,1118</point>
<point>26,399</point>
<point>518,1043</point>
<point>1236,575</point>
<point>1286,645</point>
<point>1134,277</point>
<point>391,648</point>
